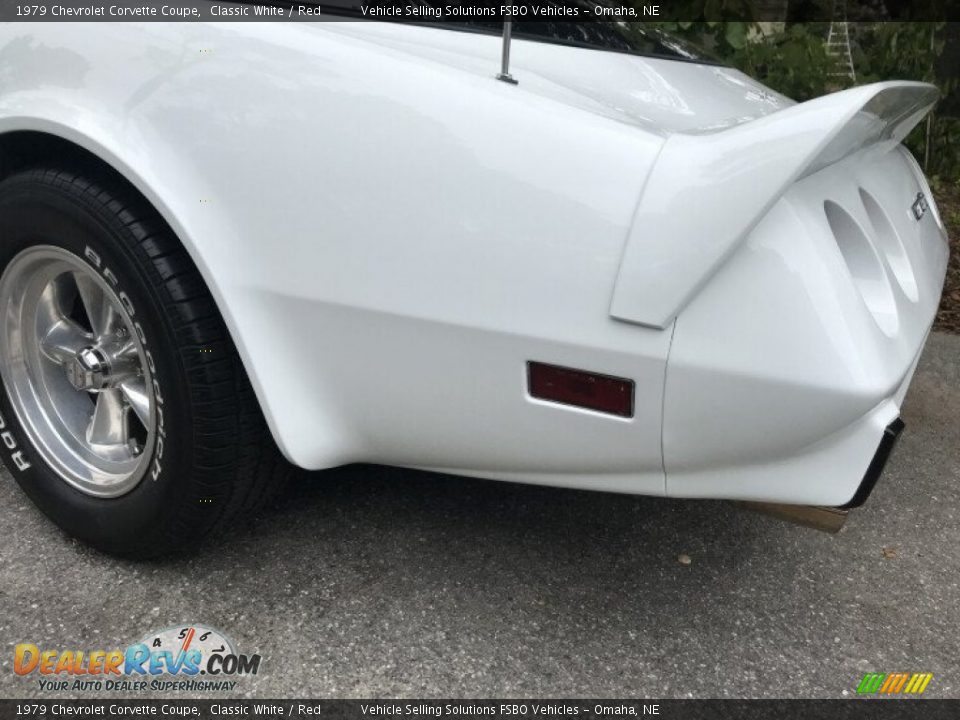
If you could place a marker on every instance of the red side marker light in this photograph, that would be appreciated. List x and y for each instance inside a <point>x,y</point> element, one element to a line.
<point>593,391</point>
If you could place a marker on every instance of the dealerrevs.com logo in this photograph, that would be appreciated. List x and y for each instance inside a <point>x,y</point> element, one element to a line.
<point>182,658</point>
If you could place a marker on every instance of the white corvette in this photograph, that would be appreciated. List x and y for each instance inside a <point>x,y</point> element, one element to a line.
<point>226,247</point>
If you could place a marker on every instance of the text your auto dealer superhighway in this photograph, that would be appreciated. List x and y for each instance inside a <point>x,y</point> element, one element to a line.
<point>86,11</point>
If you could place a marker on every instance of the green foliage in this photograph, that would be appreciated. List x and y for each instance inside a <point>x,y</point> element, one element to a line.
<point>902,50</point>
<point>944,156</point>
<point>794,62</point>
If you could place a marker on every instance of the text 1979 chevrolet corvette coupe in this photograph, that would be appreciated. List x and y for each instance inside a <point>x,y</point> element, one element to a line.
<point>226,247</point>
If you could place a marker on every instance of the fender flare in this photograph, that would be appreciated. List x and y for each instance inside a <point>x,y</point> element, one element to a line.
<point>101,142</point>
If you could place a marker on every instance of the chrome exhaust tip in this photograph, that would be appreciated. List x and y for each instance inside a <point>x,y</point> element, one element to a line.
<point>825,519</point>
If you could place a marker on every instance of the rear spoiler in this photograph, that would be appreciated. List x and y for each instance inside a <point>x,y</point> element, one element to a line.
<point>707,192</point>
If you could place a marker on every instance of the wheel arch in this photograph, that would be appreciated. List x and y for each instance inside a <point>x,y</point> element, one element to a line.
<point>30,142</point>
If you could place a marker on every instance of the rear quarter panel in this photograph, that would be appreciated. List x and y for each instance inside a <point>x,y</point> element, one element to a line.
<point>388,238</point>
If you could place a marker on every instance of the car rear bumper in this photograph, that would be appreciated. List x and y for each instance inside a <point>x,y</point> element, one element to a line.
<point>831,519</point>
<point>788,370</point>
<point>887,443</point>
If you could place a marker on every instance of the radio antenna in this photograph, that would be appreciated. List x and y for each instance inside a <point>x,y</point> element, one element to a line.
<point>505,59</point>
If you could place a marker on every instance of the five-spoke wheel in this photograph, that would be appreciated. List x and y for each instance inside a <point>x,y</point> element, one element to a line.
<point>125,411</point>
<point>77,372</point>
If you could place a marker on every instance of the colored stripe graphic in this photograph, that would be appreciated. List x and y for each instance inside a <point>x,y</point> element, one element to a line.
<point>894,683</point>
<point>889,683</point>
<point>900,682</point>
<point>870,683</point>
<point>924,680</point>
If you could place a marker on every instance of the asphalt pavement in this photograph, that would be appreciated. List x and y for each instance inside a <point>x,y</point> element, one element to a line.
<point>378,582</point>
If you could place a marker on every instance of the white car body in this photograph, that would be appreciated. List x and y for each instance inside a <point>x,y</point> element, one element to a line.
<point>391,235</point>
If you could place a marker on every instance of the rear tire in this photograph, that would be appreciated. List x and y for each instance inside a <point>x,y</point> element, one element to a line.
<point>204,454</point>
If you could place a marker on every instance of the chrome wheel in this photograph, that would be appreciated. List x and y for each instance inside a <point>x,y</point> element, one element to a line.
<point>75,371</point>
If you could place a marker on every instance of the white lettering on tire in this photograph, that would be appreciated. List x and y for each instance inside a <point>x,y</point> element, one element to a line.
<point>111,278</point>
<point>20,462</point>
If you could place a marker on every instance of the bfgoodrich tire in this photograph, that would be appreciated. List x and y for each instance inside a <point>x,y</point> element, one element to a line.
<point>102,312</point>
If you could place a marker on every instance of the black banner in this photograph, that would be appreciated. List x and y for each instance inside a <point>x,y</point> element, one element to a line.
<point>556,11</point>
<point>493,709</point>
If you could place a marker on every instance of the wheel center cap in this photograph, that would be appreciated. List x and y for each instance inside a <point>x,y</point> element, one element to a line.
<point>88,370</point>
